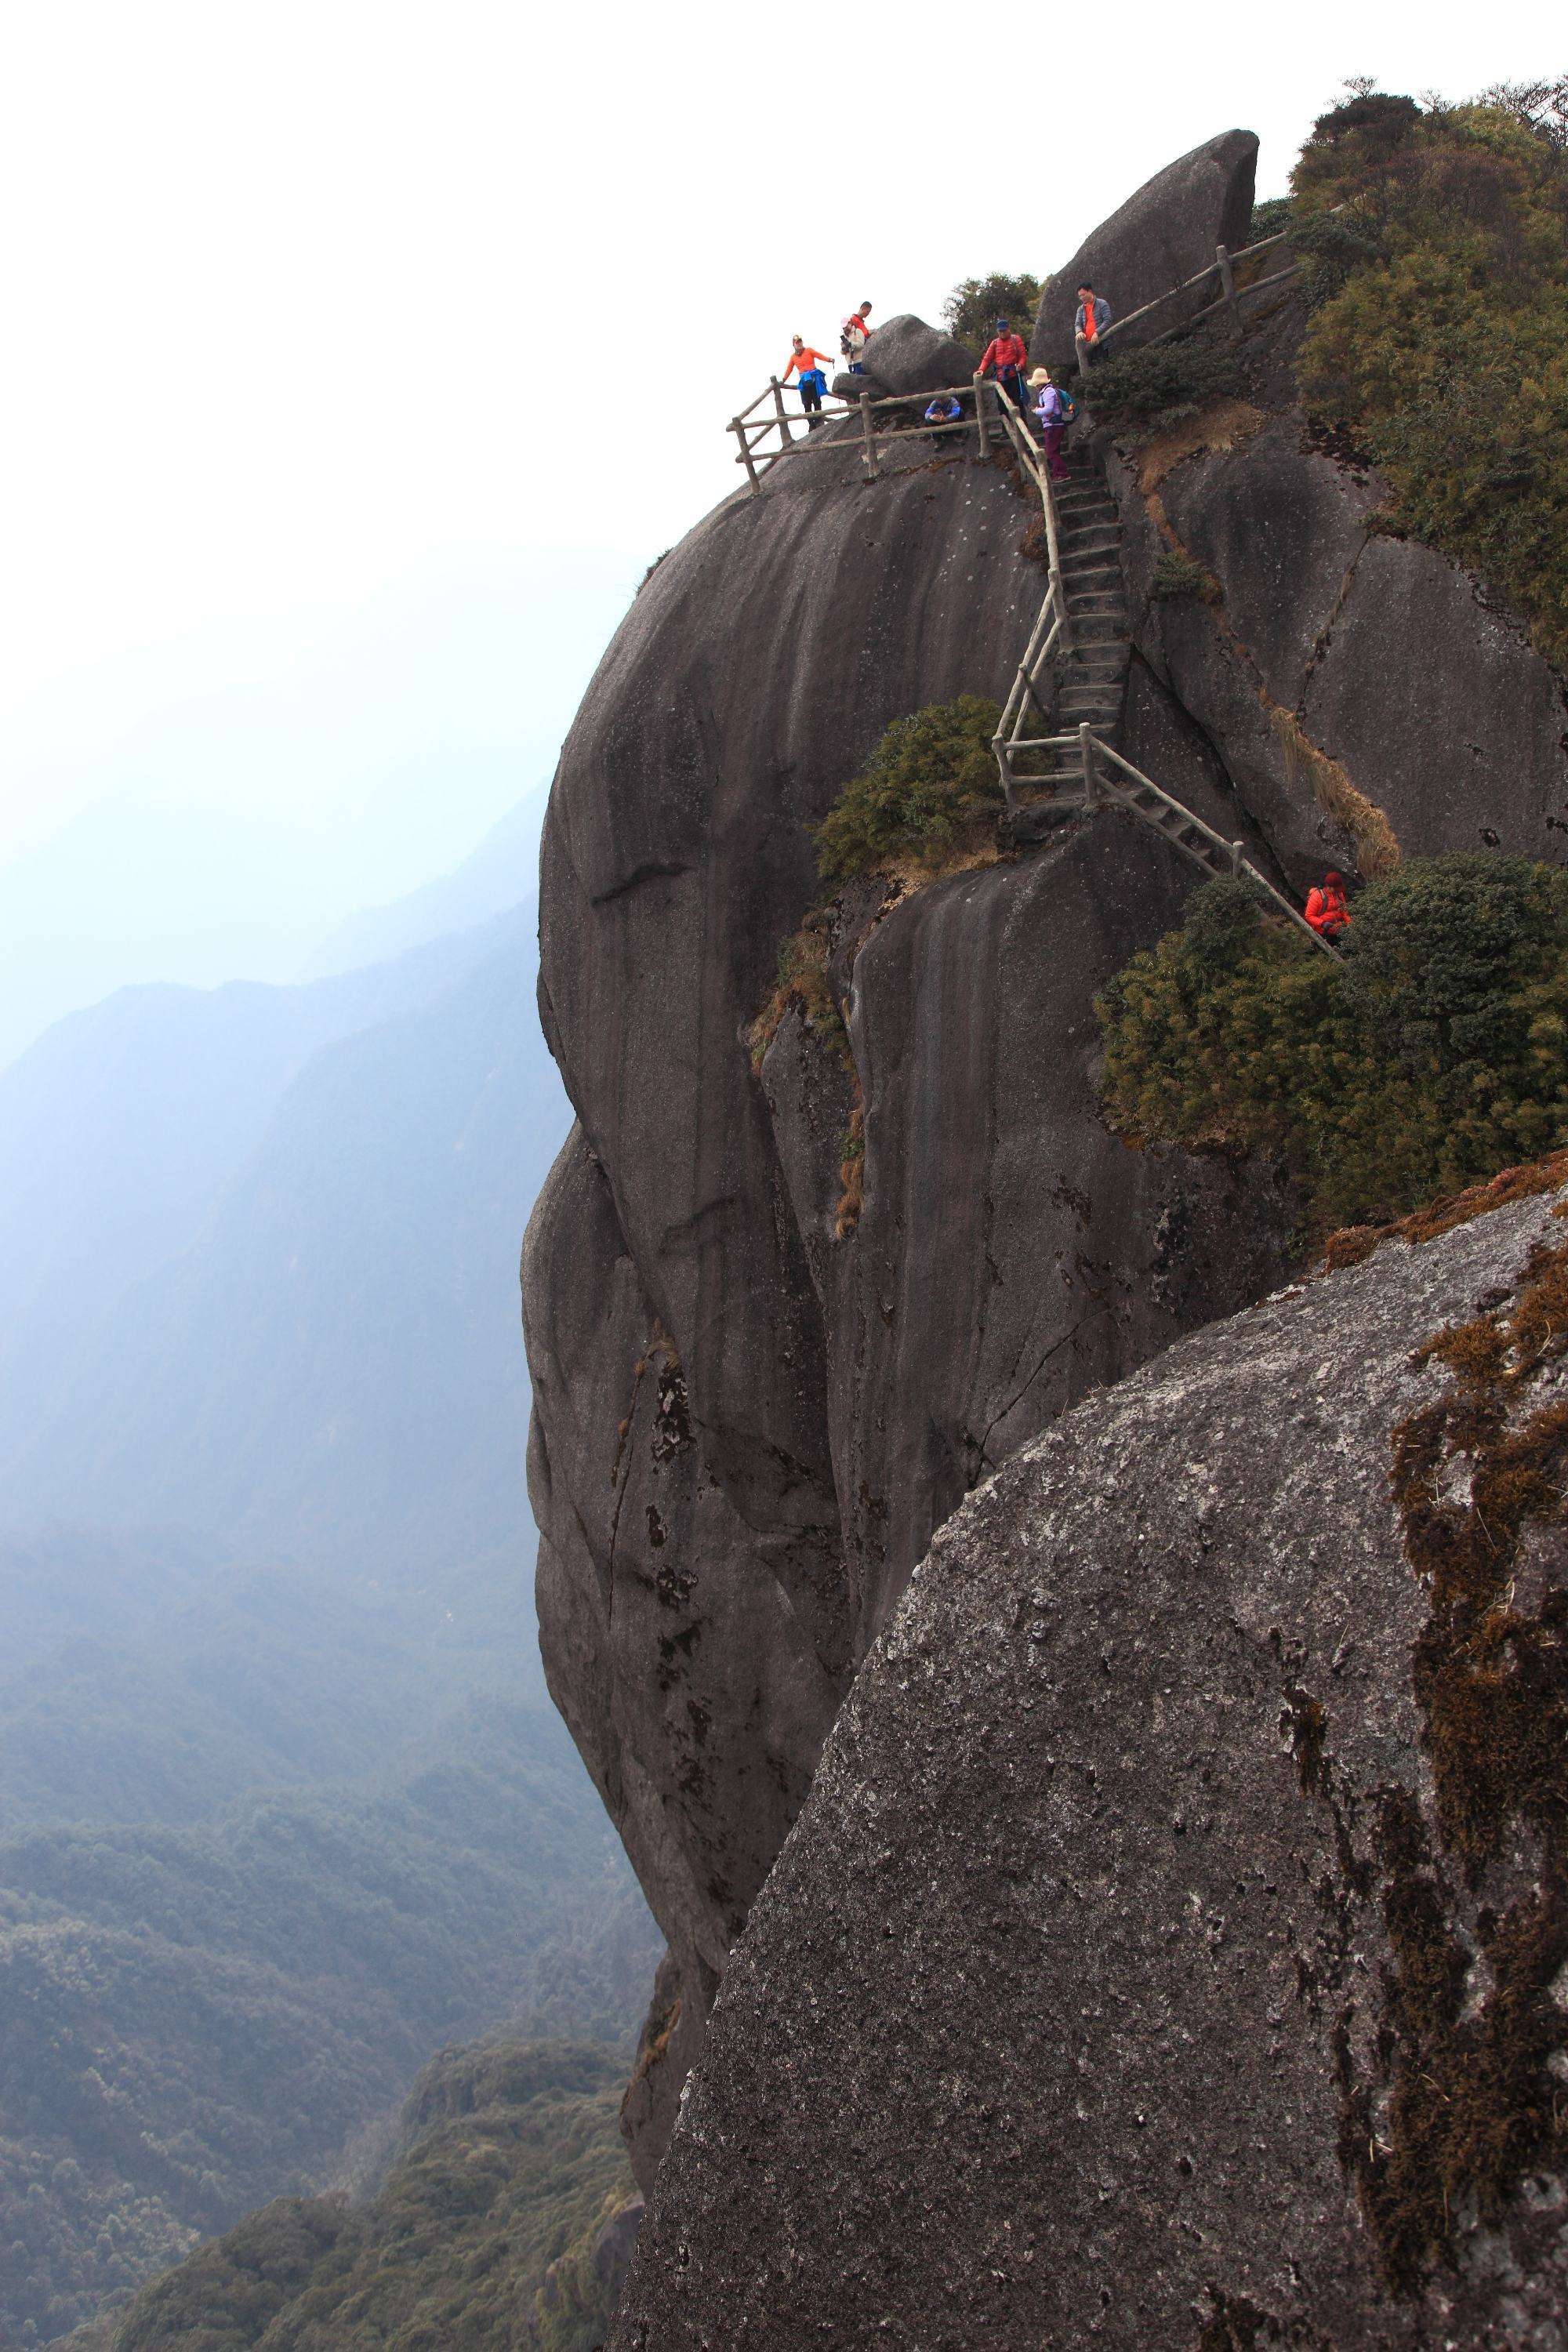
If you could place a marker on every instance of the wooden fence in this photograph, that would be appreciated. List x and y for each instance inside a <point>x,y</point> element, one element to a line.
<point>780,432</point>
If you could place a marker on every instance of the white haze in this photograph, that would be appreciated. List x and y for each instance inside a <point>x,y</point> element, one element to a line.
<point>331,324</point>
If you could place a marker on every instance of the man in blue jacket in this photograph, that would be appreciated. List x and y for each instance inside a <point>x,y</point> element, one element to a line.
<point>1091,321</point>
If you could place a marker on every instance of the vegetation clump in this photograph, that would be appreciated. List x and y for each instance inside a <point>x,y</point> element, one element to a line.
<point>929,779</point>
<point>1147,390</point>
<point>1463,2092</point>
<point>1269,215</point>
<point>1433,1056</point>
<point>975,304</point>
<point>1177,575</point>
<point>802,980</point>
<point>1435,244</point>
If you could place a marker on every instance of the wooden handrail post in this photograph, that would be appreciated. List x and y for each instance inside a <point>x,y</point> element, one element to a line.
<point>737,428</point>
<point>786,435</point>
<point>1228,286</point>
<point>1086,745</point>
<point>979,425</point>
<point>865,429</point>
<point>1238,856</point>
<point>998,745</point>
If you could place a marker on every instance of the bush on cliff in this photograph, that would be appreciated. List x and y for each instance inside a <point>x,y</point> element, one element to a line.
<point>1144,391</point>
<point>1441,336</point>
<point>928,782</point>
<point>975,304</point>
<point>1434,1055</point>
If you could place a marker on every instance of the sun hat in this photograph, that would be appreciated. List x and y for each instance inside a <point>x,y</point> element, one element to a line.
<point>1041,376</point>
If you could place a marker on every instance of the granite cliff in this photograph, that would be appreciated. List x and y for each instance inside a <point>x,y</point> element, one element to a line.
<point>790,1300</point>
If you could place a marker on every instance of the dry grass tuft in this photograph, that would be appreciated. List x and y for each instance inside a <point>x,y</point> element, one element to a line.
<point>1214,430</point>
<point>1354,1243</point>
<point>1377,848</point>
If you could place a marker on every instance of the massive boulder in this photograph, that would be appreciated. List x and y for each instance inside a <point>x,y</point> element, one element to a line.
<point>1368,698</point>
<point>747,1424</point>
<point>1171,1951</point>
<point>795,1288</point>
<point>1008,1252</point>
<point>906,355</point>
<point>1160,237</point>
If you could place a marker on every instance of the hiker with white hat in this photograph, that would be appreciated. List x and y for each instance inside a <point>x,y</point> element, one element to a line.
<point>1053,412</point>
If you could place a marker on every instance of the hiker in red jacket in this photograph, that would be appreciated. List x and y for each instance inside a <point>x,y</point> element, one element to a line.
<point>1326,909</point>
<point>854,336</point>
<point>1009,354</point>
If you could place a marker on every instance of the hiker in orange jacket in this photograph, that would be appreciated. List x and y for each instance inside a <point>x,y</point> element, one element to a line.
<point>813,366</point>
<point>1008,353</point>
<point>1326,909</point>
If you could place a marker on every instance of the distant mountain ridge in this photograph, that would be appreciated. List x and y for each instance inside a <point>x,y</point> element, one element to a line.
<point>502,873</point>
<point>256,1259</point>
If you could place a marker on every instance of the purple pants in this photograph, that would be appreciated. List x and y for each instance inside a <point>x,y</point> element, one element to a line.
<point>1052,436</point>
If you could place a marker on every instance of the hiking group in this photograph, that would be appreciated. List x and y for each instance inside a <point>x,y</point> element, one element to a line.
<point>810,366</point>
<point>1006,358</point>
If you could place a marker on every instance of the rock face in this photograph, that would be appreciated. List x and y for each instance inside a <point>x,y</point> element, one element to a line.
<point>1164,234</point>
<point>746,1428</point>
<point>1369,698</point>
<point>1168,1952</point>
<point>906,355</point>
<point>790,1295</point>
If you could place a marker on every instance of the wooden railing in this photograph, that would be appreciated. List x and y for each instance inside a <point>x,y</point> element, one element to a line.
<point>783,433</point>
<point>1052,637</point>
<point>765,439</point>
<point>1107,779</point>
<point>1231,294</point>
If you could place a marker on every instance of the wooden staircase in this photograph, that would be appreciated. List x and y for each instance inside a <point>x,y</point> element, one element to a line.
<point>1091,678</point>
<point>1055,745</point>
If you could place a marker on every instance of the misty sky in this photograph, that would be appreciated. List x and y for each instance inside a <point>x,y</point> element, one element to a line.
<point>322,317</point>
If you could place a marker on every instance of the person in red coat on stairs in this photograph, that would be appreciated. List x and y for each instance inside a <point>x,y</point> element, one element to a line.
<point>1008,353</point>
<point>1326,909</point>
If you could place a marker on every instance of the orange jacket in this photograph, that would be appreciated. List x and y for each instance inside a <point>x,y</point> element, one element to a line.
<point>804,359</point>
<point>1326,909</point>
<point>1010,351</point>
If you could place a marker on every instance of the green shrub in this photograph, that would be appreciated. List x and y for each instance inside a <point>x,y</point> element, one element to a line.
<point>1440,341</point>
<point>802,978</point>
<point>975,304</point>
<point>1141,391</point>
<point>1434,1055</point>
<point>1329,246</point>
<point>1268,219</point>
<point>1178,575</point>
<point>928,781</point>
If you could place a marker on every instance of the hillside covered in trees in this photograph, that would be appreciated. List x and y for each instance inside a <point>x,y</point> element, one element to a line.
<point>502,2224</point>
<point>263,1846</point>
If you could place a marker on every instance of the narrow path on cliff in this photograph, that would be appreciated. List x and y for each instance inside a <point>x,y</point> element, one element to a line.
<point>1056,746</point>
<point>1071,682</point>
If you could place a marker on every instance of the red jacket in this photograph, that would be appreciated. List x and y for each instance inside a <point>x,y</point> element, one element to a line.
<point>1010,352</point>
<point>1326,909</point>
